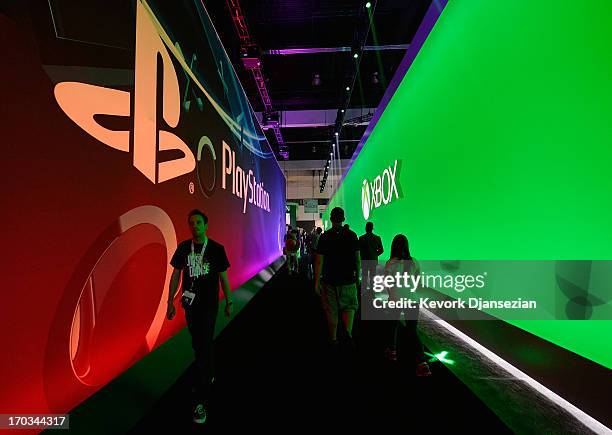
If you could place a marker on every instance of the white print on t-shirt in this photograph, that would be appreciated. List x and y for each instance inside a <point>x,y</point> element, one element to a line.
<point>198,266</point>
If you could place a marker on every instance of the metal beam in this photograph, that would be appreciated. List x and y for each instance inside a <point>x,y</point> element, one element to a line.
<point>308,165</point>
<point>247,41</point>
<point>319,118</point>
<point>314,50</point>
<point>310,142</point>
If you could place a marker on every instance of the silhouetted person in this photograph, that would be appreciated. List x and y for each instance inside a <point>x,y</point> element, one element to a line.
<point>202,263</point>
<point>292,246</point>
<point>285,237</point>
<point>337,268</point>
<point>370,246</point>
<point>289,230</point>
<point>314,240</point>
<point>401,261</point>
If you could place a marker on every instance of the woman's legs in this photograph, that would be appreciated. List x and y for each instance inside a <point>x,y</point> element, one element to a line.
<point>415,349</point>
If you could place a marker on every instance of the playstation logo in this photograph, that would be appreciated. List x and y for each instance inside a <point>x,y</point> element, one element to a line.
<point>81,102</point>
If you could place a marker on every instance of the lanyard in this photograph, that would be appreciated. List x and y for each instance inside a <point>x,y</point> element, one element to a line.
<point>201,252</point>
<point>201,255</point>
<point>189,294</point>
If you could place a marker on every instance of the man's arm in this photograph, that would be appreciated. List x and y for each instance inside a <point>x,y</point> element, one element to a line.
<point>358,264</point>
<point>356,247</point>
<point>380,247</point>
<point>318,267</point>
<point>227,291</point>
<point>174,283</point>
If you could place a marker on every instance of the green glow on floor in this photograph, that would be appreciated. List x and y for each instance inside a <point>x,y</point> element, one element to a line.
<point>441,356</point>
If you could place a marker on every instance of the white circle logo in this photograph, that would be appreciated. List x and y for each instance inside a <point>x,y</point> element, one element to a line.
<point>365,199</point>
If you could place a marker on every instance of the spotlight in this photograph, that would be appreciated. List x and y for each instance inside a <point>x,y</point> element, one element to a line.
<point>348,89</point>
<point>356,55</point>
<point>342,111</point>
<point>336,133</point>
<point>375,78</point>
<point>316,80</point>
<point>368,5</point>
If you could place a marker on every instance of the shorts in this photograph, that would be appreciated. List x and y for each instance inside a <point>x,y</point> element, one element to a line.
<point>337,298</point>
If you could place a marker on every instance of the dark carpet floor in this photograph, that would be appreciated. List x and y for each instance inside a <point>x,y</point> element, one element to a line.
<point>274,371</point>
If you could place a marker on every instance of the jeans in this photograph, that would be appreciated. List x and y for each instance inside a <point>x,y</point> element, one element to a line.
<point>201,324</point>
<point>404,336</point>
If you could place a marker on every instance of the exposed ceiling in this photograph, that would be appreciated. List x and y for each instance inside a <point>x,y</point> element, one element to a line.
<point>300,38</point>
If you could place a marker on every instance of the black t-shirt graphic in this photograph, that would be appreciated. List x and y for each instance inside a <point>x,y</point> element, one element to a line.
<point>339,247</point>
<point>202,272</point>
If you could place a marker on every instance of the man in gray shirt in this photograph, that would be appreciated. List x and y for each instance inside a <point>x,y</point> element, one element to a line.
<point>337,271</point>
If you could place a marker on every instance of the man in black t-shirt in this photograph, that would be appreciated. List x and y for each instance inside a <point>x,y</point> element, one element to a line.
<point>337,271</point>
<point>203,264</point>
<point>370,246</point>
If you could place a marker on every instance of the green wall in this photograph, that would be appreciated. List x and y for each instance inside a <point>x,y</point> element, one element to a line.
<point>502,126</point>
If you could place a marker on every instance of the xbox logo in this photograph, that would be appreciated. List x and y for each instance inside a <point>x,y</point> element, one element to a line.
<point>365,199</point>
<point>379,192</point>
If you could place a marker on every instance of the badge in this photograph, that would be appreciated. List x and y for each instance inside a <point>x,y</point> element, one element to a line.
<point>188,297</point>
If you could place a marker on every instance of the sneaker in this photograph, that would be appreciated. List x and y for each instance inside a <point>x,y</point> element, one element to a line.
<point>199,414</point>
<point>423,369</point>
<point>391,354</point>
